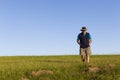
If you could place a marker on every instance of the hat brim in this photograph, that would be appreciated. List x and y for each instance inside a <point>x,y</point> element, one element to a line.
<point>83,29</point>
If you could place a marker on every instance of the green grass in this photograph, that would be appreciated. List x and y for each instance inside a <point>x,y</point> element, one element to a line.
<point>62,68</point>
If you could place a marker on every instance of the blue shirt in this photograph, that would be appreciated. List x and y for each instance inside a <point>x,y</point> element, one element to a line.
<point>78,38</point>
<point>84,40</point>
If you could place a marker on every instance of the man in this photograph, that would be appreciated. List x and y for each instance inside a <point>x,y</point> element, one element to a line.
<point>84,40</point>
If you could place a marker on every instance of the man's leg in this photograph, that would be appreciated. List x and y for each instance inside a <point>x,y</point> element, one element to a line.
<point>88,52</point>
<point>82,52</point>
<point>88,58</point>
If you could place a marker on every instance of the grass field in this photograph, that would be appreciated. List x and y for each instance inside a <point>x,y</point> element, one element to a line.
<point>101,67</point>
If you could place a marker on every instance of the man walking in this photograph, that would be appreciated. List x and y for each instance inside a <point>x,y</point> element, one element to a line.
<point>84,40</point>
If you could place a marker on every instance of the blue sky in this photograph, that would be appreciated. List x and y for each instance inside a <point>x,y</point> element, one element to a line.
<point>50,27</point>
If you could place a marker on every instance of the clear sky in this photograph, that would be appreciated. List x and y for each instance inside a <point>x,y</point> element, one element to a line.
<point>50,27</point>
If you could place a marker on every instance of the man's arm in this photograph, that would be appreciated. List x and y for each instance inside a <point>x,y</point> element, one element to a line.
<point>78,40</point>
<point>90,40</point>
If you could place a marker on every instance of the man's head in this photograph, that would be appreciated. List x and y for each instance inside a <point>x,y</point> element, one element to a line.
<point>84,29</point>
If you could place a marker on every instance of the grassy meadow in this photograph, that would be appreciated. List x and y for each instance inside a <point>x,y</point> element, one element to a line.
<point>101,67</point>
